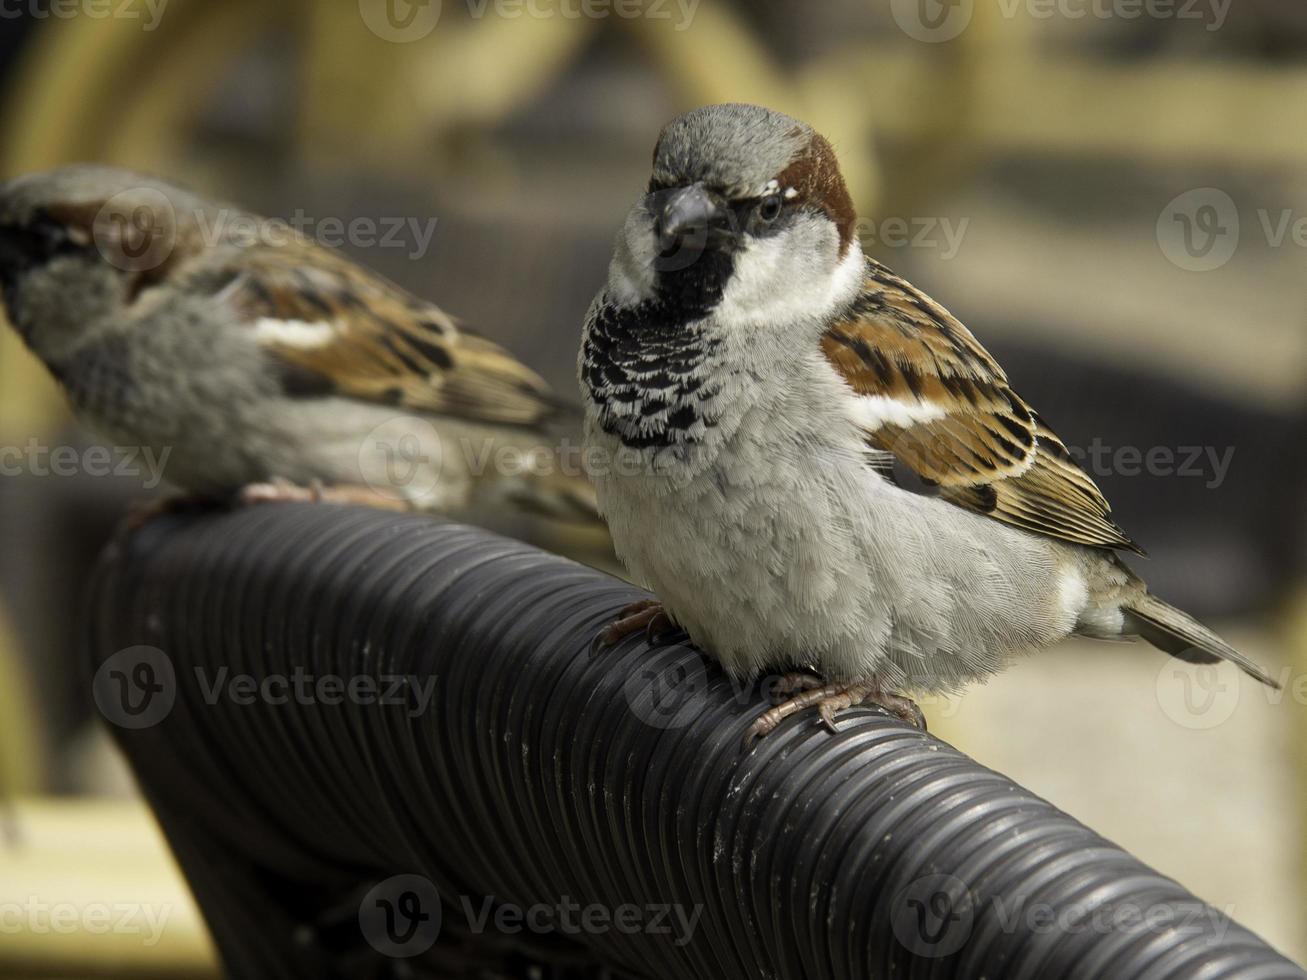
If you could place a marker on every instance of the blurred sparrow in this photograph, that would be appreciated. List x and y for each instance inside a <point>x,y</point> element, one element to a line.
<point>266,365</point>
<point>767,384</point>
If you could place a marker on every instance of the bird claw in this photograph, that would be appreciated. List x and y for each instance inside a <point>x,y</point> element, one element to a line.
<point>662,631</point>
<point>762,726</point>
<point>911,712</point>
<point>770,720</point>
<point>829,700</point>
<point>827,714</point>
<point>647,615</point>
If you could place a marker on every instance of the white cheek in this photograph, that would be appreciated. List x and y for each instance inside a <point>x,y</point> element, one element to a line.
<point>790,277</point>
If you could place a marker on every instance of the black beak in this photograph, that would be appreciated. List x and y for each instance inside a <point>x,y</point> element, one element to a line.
<point>693,215</point>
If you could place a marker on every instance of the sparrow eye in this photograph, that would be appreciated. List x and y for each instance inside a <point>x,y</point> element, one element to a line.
<point>769,208</point>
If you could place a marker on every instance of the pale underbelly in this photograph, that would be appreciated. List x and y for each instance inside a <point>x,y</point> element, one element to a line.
<point>854,577</point>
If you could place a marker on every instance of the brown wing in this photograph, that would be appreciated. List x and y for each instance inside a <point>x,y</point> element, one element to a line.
<point>336,327</point>
<point>940,403</point>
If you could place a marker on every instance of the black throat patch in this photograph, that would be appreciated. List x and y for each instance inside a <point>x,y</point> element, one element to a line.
<point>646,366</point>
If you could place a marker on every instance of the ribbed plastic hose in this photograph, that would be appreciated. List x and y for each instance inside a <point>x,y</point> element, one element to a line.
<point>570,811</point>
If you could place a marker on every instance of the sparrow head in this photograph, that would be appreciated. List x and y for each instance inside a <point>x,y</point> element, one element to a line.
<point>746,209</point>
<point>81,244</point>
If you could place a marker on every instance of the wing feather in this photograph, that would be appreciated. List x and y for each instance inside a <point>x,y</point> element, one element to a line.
<point>937,400</point>
<point>373,341</point>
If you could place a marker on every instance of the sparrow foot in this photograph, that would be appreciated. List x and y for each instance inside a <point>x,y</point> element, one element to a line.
<point>830,699</point>
<point>647,615</point>
<point>284,491</point>
<point>904,709</point>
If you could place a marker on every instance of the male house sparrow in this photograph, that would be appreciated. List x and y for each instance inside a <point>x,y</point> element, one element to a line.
<point>762,378</point>
<point>265,363</point>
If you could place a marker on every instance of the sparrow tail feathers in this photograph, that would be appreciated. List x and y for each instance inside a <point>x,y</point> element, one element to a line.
<point>1183,637</point>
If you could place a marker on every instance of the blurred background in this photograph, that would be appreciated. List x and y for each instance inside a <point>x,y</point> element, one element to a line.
<point>1111,193</point>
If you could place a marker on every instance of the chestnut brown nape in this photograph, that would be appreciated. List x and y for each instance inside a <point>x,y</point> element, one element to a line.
<point>815,174</point>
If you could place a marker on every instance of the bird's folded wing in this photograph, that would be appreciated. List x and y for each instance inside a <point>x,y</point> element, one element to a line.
<point>928,393</point>
<point>335,327</point>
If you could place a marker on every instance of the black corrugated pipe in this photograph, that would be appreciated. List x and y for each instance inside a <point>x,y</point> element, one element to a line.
<point>379,746</point>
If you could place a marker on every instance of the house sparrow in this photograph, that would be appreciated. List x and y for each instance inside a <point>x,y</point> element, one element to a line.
<point>265,364</point>
<point>766,384</point>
